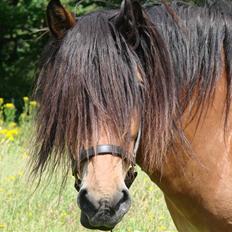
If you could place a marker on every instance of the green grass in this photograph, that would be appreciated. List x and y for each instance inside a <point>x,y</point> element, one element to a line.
<point>45,210</point>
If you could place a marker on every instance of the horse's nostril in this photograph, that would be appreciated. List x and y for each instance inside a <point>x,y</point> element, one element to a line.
<point>124,201</point>
<point>85,202</point>
<point>126,195</point>
<point>81,196</point>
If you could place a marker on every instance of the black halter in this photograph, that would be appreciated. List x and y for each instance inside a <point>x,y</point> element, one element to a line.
<point>101,150</point>
<point>106,149</point>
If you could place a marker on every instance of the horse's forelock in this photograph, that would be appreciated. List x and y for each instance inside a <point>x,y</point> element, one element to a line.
<point>87,78</point>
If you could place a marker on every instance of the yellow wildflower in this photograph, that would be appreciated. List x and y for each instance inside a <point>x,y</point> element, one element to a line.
<point>30,214</point>
<point>3,131</point>
<point>162,228</point>
<point>9,106</point>
<point>1,100</point>
<point>9,133</point>
<point>64,214</point>
<point>10,137</point>
<point>20,173</point>
<point>14,131</point>
<point>2,226</point>
<point>33,103</point>
<point>11,178</point>
<point>25,99</point>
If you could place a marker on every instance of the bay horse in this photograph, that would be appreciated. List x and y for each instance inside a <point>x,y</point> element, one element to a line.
<point>147,86</point>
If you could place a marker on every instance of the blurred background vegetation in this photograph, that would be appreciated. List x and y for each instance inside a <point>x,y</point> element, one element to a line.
<point>23,34</point>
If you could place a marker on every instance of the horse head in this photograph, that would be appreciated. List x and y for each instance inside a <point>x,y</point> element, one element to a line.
<point>96,77</point>
<point>103,163</point>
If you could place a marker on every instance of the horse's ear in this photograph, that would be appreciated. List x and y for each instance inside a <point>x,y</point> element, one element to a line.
<point>59,19</point>
<point>129,20</point>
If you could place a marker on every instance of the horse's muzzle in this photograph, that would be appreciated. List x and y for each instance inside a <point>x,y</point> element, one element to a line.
<point>103,214</point>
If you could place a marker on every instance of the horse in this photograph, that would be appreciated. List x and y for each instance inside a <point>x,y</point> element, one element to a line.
<point>148,86</point>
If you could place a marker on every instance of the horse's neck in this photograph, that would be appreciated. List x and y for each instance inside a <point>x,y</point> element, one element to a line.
<point>203,180</point>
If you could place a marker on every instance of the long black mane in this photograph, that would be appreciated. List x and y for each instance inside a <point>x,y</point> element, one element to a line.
<point>90,77</point>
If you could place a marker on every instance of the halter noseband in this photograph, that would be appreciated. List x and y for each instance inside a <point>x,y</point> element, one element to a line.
<point>106,149</point>
<point>101,150</point>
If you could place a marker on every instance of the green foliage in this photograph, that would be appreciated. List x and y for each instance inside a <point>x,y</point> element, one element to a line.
<point>23,34</point>
<point>21,25</point>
